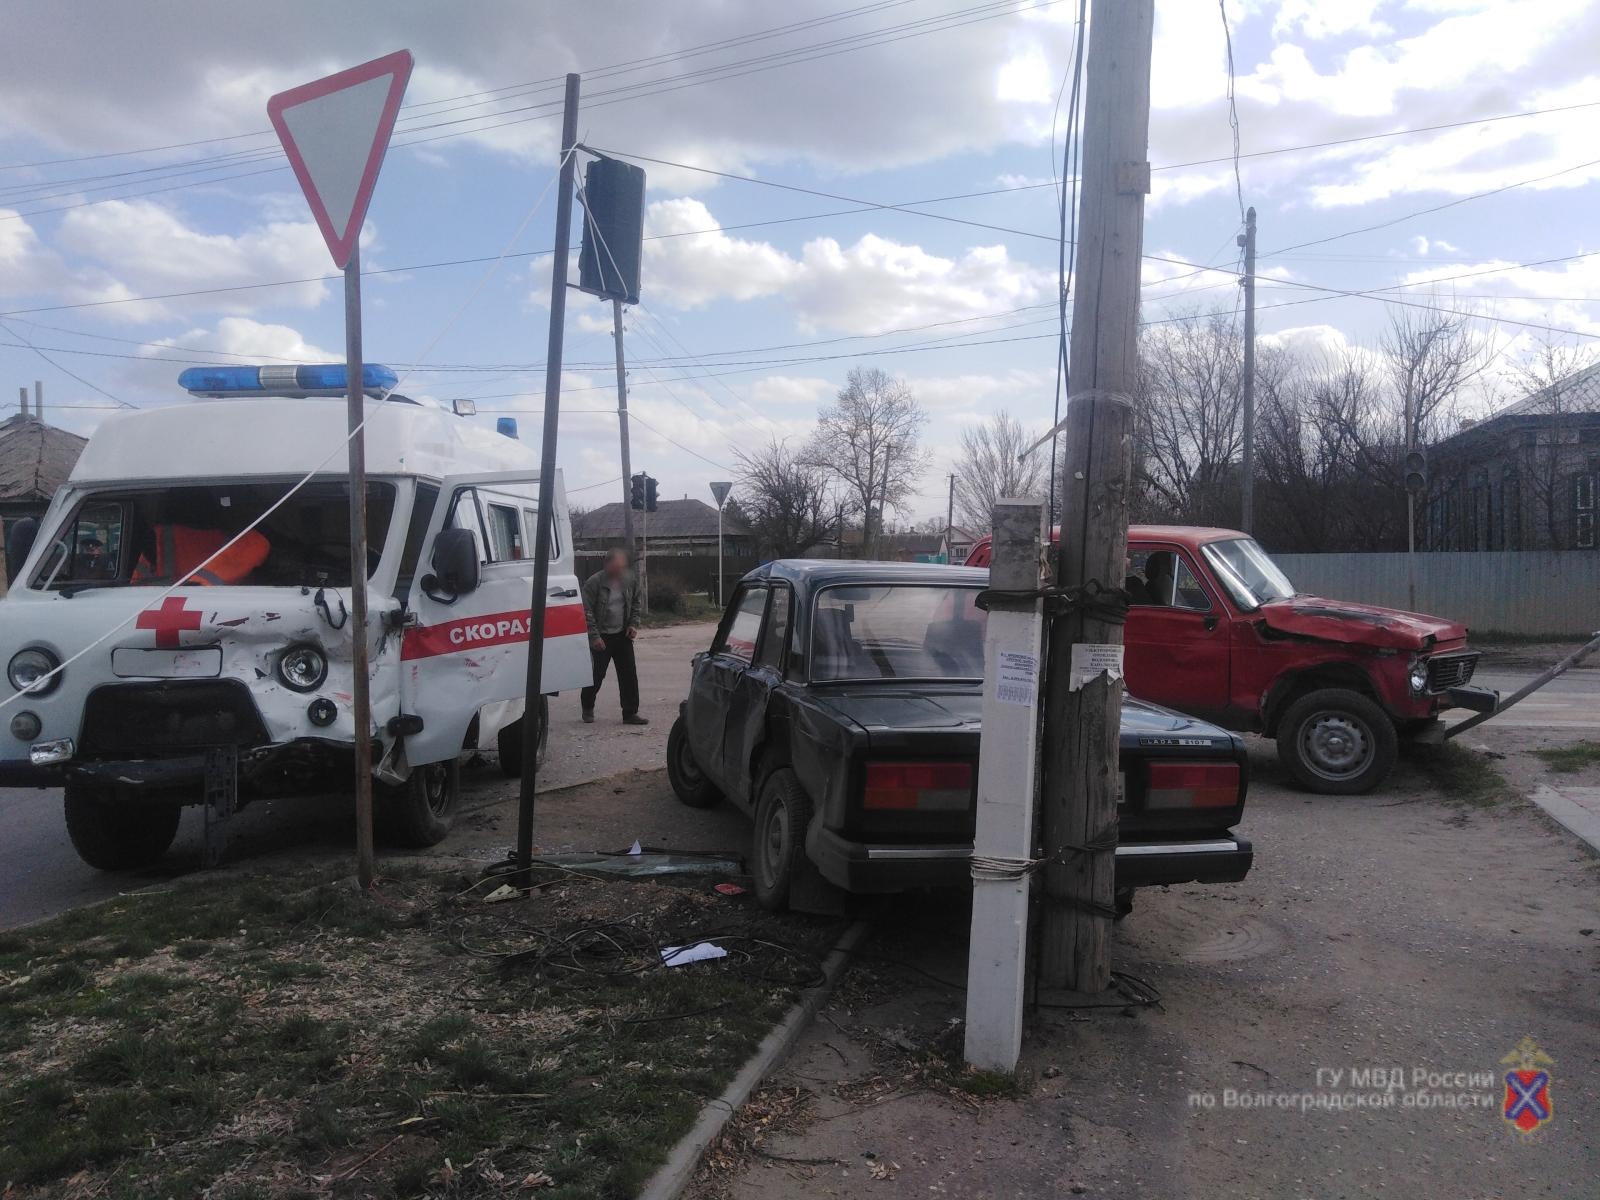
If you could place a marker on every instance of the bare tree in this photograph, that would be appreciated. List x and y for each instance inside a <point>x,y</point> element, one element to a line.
<point>992,466</point>
<point>1188,418</point>
<point>784,499</point>
<point>869,439</point>
<point>1431,357</point>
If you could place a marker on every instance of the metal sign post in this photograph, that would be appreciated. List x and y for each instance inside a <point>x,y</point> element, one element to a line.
<point>720,492</point>
<point>335,131</point>
<point>547,485</point>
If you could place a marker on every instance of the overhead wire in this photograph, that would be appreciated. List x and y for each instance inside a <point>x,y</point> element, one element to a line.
<point>1233,107</point>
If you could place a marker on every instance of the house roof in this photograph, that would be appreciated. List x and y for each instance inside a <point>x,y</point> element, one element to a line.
<point>1575,394</point>
<point>672,518</point>
<point>35,458</point>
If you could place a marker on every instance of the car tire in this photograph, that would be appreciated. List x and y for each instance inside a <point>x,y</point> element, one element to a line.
<point>419,812</point>
<point>1337,742</point>
<point>509,742</point>
<point>115,837</point>
<point>689,782</point>
<point>782,813</point>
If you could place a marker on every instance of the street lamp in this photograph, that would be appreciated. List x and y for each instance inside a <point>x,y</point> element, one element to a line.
<point>719,492</point>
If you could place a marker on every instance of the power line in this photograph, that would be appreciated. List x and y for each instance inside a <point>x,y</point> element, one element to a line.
<point>1233,107</point>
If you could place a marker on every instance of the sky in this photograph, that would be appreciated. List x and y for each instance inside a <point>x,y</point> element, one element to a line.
<point>833,184</point>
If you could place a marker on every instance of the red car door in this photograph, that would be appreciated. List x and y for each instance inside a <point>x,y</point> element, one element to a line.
<point>1177,635</point>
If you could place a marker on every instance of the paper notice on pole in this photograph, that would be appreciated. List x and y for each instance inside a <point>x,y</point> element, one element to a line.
<point>1018,681</point>
<point>1090,660</point>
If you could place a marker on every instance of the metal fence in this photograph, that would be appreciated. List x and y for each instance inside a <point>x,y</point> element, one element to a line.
<point>1524,592</point>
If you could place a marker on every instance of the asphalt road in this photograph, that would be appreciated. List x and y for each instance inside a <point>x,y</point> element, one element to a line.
<point>41,875</point>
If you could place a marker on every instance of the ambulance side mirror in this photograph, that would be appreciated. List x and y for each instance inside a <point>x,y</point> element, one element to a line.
<point>19,541</point>
<point>455,565</point>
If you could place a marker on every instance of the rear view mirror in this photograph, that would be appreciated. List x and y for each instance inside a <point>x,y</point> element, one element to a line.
<point>455,565</point>
<point>19,541</point>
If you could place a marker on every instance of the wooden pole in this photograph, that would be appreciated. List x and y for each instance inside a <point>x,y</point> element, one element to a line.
<point>1083,714</point>
<point>997,957</point>
<point>534,687</point>
<point>1247,496</point>
<point>949,521</point>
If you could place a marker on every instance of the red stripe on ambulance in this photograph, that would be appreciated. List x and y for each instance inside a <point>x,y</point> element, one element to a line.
<point>495,629</point>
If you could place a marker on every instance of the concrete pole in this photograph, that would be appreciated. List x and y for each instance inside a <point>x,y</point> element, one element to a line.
<point>622,426</point>
<point>997,955</point>
<point>949,520</point>
<point>1247,495</point>
<point>38,399</point>
<point>1083,706</point>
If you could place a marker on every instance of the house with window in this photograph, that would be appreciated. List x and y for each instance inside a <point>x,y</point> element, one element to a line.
<point>1523,479</point>
<point>676,527</point>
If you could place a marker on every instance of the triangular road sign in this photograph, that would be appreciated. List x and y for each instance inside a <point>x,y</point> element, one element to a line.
<point>335,131</point>
<point>719,492</point>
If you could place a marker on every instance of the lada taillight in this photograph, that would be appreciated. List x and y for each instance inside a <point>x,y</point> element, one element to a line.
<point>1192,785</point>
<point>918,786</point>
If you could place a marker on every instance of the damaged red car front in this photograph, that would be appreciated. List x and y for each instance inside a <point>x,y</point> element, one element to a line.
<point>1217,630</point>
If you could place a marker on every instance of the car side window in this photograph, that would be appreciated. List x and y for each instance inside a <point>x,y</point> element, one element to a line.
<point>775,637</point>
<point>1187,591</point>
<point>744,626</point>
<point>1164,579</point>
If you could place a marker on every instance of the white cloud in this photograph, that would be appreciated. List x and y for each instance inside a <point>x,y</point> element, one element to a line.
<point>869,286</point>
<point>248,339</point>
<point>1319,19</point>
<point>26,265</point>
<point>150,249</point>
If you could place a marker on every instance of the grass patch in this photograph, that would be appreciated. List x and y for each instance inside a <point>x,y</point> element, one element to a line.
<point>1466,777</point>
<point>1569,760</point>
<point>264,1037</point>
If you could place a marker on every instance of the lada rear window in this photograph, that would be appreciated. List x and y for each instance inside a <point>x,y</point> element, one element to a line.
<point>896,631</point>
<point>157,536</point>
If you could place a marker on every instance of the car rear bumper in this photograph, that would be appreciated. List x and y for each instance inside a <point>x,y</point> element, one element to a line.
<point>871,868</point>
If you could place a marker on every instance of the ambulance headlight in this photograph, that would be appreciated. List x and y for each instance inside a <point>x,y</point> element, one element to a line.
<point>302,668</point>
<point>29,671</point>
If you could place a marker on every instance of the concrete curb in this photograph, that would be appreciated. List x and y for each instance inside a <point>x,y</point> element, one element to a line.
<point>1582,822</point>
<point>674,1175</point>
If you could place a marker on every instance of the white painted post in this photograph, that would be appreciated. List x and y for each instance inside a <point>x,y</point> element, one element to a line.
<point>997,959</point>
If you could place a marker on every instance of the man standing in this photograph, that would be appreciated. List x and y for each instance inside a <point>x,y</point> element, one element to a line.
<point>611,604</point>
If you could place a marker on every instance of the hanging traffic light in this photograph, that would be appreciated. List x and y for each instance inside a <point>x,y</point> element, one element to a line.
<point>649,494</point>
<point>636,492</point>
<point>1416,472</point>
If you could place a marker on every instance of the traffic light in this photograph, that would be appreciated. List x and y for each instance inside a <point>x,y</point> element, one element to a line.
<point>1416,472</point>
<point>649,494</point>
<point>636,492</point>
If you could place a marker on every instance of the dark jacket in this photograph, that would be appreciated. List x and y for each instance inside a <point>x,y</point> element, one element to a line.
<point>597,597</point>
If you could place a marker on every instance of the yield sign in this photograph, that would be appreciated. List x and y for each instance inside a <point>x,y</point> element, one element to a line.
<point>335,131</point>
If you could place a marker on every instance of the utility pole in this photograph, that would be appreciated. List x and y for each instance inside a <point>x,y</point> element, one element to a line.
<point>547,484</point>
<point>1411,505</point>
<point>1083,702</point>
<point>622,425</point>
<point>883,502</point>
<point>949,519</point>
<point>997,957</point>
<point>1247,491</point>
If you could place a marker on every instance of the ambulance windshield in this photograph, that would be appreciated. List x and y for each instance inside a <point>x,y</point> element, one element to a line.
<point>154,537</point>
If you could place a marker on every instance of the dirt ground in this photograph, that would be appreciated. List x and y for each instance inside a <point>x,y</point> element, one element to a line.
<point>1402,930</point>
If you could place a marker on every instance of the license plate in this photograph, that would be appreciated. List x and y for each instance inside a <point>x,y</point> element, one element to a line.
<point>201,662</point>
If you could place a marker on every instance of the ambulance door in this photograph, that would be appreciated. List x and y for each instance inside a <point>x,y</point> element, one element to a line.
<point>465,652</point>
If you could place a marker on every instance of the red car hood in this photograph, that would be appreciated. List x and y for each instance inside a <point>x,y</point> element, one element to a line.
<point>1360,624</point>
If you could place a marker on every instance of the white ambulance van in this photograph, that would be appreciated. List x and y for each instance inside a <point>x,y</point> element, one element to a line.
<point>251,655</point>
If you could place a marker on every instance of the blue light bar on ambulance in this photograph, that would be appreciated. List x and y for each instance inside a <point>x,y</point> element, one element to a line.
<point>325,379</point>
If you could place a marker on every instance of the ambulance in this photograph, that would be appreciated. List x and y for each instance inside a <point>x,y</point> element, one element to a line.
<point>125,697</point>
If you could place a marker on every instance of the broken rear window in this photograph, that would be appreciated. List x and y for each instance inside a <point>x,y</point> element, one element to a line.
<point>896,631</point>
<point>159,536</point>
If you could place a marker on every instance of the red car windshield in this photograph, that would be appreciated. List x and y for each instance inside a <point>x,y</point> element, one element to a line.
<point>1250,576</point>
<point>896,631</point>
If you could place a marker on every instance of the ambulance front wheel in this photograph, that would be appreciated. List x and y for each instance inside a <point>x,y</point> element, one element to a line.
<point>509,741</point>
<point>420,811</point>
<point>110,836</point>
